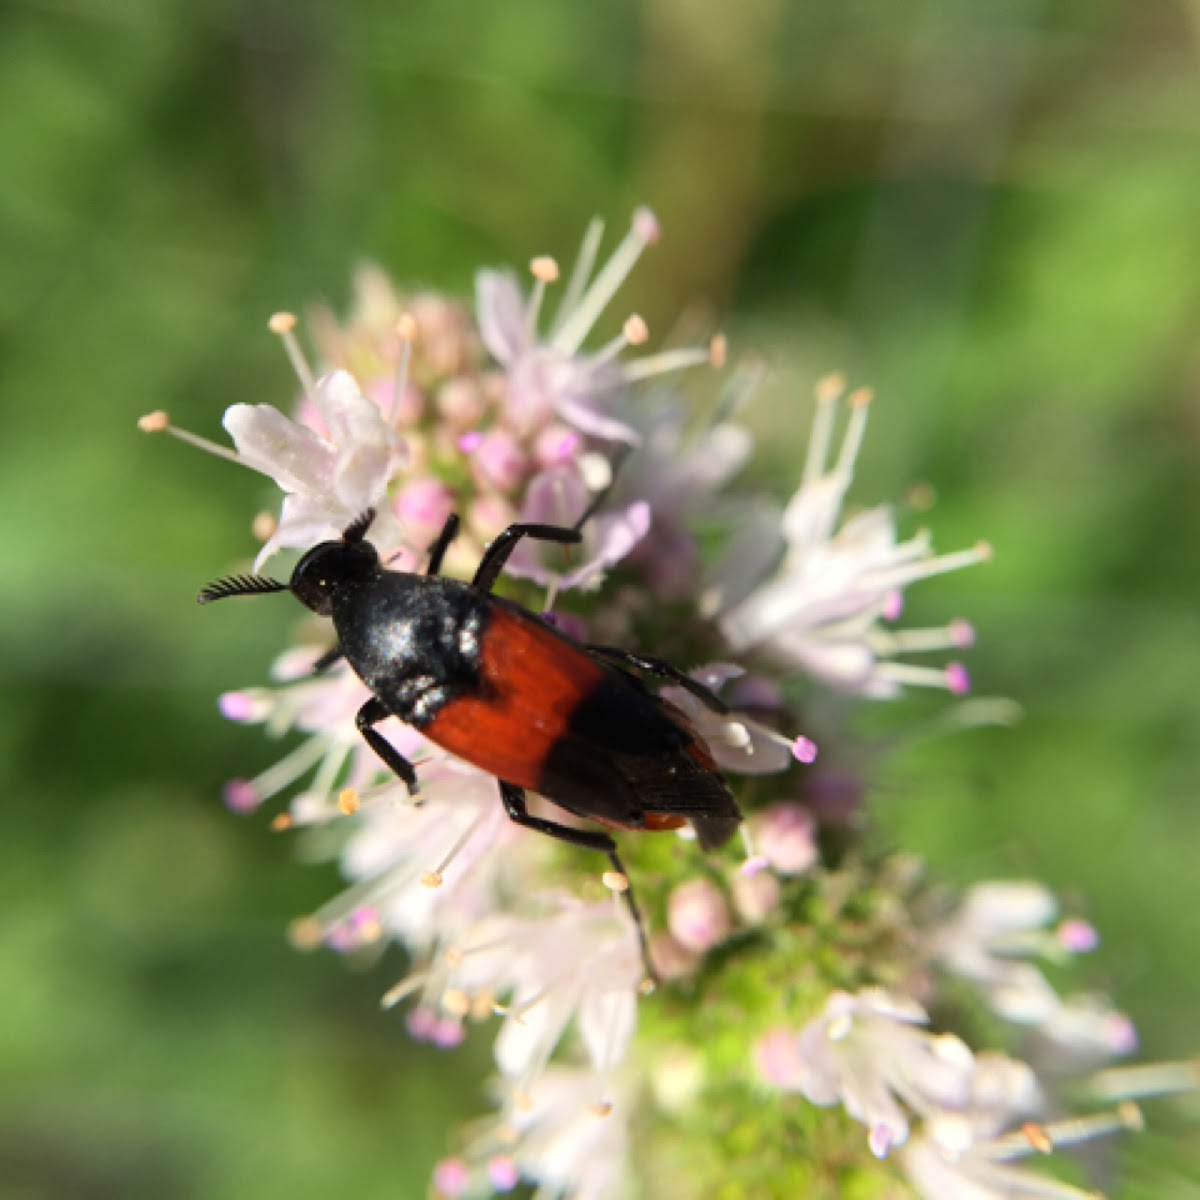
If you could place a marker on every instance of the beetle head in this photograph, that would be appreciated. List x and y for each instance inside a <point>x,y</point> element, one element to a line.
<point>318,574</point>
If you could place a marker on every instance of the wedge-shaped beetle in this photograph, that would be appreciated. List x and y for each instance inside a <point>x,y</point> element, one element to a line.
<point>501,688</point>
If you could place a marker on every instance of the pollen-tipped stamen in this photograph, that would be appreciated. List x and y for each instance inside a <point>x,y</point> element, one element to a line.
<point>667,361</point>
<point>544,270</point>
<point>952,677</point>
<point>828,392</point>
<point>289,768</point>
<point>633,333</point>
<point>957,635</point>
<point>160,422</point>
<point>1146,1080</point>
<point>283,325</point>
<point>924,568</point>
<point>860,404</point>
<point>406,331</point>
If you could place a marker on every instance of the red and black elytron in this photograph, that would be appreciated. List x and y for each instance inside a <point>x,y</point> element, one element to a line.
<point>501,688</point>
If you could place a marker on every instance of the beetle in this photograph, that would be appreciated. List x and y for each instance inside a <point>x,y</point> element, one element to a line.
<point>502,688</point>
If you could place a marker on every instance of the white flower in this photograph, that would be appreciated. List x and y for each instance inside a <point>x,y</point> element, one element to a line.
<point>581,963</point>
<point>552,375</point>
<point>998,926</point>
<point>431,869</point>
<point>329,477</point>
<point>679,474</point>
<point>570,1146</point>
<point>822,608</point>
<point>869,1053</point>
<point>975,1153</point>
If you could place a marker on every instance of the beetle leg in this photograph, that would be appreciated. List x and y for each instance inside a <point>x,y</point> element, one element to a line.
<point>441,544</point>
<point>326,660</point>
<point>514,805</point>
<point>664,670</point>
<point>496,555</point>
<point>371,714</point>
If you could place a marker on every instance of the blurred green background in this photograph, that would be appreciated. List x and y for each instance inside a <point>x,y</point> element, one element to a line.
<point>990,212</point>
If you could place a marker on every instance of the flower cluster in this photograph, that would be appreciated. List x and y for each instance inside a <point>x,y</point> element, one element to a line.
<point>799,966</point>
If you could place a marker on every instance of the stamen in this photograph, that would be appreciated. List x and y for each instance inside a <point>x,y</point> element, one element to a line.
<point>860,403</point>
<point>160,422</point>
<point>348,801</point>
<point>282,822</point>
<point>615,881</point>
<point>755,862</point>
<point>575,327</point>
<point>406,987</point>
<point>1045,1139</point>
<point>544,271</point>
<point>331,767</point>
<point>439,872</point>
<point>283,325</point>
<point>289,768</point>
<point>952,678</point>
<point>718,351</point>
<point>633,333</point>
<point>958,635</point>
<point>828,391</point>
<point>406,331</point>
<point>664,363</point>
<point>924,568</point>
<point>580,273</point>
<point>1146,1080</point>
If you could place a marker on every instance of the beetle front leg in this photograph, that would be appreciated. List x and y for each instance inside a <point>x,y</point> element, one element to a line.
<point>371,714</point>
<point>496,555</point>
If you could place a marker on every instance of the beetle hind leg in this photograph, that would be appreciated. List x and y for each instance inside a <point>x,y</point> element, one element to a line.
<point>518,811</point>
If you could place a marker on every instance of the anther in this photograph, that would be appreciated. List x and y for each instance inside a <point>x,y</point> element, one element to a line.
<point>544,269</point>
<point>718,350</point>
<point>1038,1137</point>
<point>431,879</point>
<point>281,822</point>
<point>305,933</point>
<point>830,387</point>
<point>456,1002</point>
<point>804,749</point>
<point>283,325</point>
<point>264,525</point>
<point>154,422</point>
<point>348,801</point>
<point>636,330</point>
<point>407,328</point>
<point>615,881</point>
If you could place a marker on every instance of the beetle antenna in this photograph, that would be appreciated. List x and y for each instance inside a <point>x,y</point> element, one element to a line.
<point>356,531</point>
<point>239,585</point>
